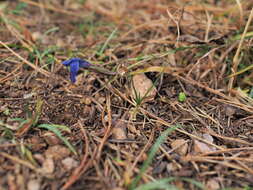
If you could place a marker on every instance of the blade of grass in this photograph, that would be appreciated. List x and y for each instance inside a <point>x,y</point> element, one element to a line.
<point>159,184</point>
<point>55,129</point>
<point>242,71</point>
<point>163,184</point>
<point>236,59</point>
<point>151,155</point>
<point>196,183</point>
<point>107,42</point>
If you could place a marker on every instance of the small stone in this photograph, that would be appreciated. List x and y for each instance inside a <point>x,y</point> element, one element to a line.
<point>208,137</point>
<point>142,88</point>
<point>212,184</point>
<point>33,185</point>
<point>51,138</point>
<point>119,133</point>
<point>181,146</point>
<point>200,147</point>
<point>69,163</point>
<point>39,157</point>
<point>101,99</point>
<point>230,111</point>
<point>171,167</point>
<point>48,166</point>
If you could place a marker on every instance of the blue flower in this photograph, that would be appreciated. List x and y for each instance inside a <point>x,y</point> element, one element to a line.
<point>75,64</point>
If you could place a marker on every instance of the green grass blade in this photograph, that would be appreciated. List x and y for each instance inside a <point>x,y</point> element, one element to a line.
<point>56,130</point>
<point>196,183</point>
<point>107,42</point>
<point>159,184</point>
<point>164,184</point>
<point>60,127</point>
<point>151,155</point>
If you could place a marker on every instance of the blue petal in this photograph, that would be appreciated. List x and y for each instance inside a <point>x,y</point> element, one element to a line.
<point>74,68</point>
<point>84,64</point>
<point>69,61</point>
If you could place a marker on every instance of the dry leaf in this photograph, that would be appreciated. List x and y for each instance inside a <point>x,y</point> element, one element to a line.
<point>142,87</point>
<point>180,146</point>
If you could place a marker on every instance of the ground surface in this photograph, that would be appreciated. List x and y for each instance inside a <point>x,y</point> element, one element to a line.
<point>191,47</point>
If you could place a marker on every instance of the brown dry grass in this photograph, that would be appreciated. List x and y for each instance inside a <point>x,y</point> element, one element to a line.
<point>182,46</point>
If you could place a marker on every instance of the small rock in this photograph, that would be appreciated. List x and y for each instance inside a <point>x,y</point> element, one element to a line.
<point>51,138</point>
<point>48,166</point>
<point>212,184</point>
<point>57,152</point>
<point>159,168</point>
<point>181,146</point>
<point>37,143</point>
<point>171,167</point>
<point>69,163</point>
<point>39,157</point>
<point>37,35</point>
<point>119,133</point>
<point>208,137</point>
<point>230,111</point>
<point>101,100</point>
<point>142,87</point>
<point>200,147</point>
<point>133,129</point>
<point>33,185</point>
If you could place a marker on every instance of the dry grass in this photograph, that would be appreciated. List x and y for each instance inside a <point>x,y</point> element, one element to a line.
<point>201,49</point>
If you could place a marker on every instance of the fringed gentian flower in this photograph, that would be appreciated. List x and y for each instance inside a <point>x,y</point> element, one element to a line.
<point>75,65</point>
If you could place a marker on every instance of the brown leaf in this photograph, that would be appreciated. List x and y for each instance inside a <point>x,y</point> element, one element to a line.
<point>24,128</point>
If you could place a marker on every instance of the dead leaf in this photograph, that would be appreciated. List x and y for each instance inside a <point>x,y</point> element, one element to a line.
<point>142,87</point>
<point>180,146</point>
<point>24,128</point>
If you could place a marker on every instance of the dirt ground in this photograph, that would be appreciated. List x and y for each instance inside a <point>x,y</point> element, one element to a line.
<point>178,64</point>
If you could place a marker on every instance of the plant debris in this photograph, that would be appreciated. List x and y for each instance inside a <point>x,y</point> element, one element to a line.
<point>164,99</point>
